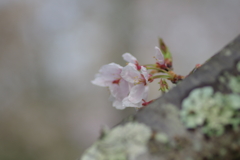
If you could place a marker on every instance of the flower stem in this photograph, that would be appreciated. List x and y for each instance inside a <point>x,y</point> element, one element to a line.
<point>158,69</point>
<point>160,76</point>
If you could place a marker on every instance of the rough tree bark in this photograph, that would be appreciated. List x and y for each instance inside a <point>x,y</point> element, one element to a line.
<point>173,127</point>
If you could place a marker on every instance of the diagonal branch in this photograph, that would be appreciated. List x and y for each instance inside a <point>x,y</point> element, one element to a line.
<point>165,130</point>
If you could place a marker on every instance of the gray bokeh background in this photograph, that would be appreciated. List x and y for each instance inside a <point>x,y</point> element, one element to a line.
<point>50,50</point>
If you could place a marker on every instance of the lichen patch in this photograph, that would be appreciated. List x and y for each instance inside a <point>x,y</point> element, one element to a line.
<point>162,138</point>
<point>210,111</point>
<point>228,53</point>
<point>234,83</point>
<point>124,142</point>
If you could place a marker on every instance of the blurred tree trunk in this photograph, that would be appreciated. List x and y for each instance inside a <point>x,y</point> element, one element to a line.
<point>158,131</point>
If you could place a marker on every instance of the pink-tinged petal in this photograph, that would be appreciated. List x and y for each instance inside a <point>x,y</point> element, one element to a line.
<point>145,93</point>
<point>130,85</point>
<point>118,105</point>
<point>111,71</point>
<point>120,91</point>
<point>129,58</point>
<point>107,74</point>
<point>145,73</point>
<point>137,93</point>
<point>130,73</point>
<point>159,56</point>
<point>99,80</point>
<point>127,103</point>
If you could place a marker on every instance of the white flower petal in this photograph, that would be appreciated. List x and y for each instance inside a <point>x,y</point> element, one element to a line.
<point>111,71</point>
<point>145,93</point>
<point>99,81</point>
<point>118,105</point>
<point>145,73</point>
<point>130,73</point>
<point>107,74</point>
<point>129,58</point>
<point>159,56</point>
<point>127,103</point>
<point>120,91</point>
<point>136,93</point>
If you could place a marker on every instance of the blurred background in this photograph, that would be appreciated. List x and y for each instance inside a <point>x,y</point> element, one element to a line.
<point>50,50</point>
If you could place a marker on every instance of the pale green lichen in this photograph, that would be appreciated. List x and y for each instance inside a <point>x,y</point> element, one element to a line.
<point>231,81</point>
<point>192,113</point>
<point>234,83</point>
<point>227,53</point>
<point>211,111</point>
<point>162,138</point>
<point>124,142</point>
<point>222,79</point>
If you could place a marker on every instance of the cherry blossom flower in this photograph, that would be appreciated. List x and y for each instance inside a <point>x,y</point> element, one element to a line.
<point>127,85</point>
<point>137,85</point>
<point>131,59</point>
<point>110,76</point>
<point>159,56</point>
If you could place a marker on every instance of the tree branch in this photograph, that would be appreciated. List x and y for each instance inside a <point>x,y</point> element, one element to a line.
<point>196,120</point>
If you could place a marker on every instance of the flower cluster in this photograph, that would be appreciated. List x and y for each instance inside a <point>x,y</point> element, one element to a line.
<point>128,85</point>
